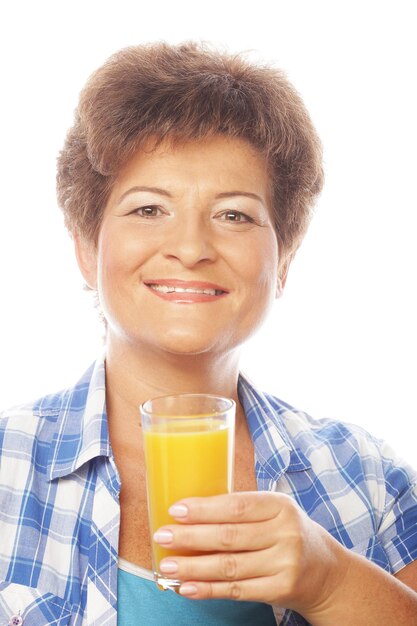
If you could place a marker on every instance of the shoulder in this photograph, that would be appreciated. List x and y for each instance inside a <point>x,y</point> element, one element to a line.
<point>29,413</point>
<point>341,452</point>
<point>27,416</point>
<point>347,457</point>
<point>331,448</point>
<point>26,431</point>
<point>343,438</point>
<point>322,440</point>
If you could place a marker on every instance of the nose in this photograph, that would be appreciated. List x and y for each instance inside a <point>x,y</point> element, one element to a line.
<point>190,241</point>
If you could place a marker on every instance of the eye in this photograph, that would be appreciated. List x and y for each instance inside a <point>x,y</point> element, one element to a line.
<point>235,217</point>
<point>150,210</point>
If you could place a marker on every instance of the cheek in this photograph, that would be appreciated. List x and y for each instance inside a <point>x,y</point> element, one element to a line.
<point>119,255</point>
<point>261,266</point>
<point>257,271</point>
<point>265,275</point>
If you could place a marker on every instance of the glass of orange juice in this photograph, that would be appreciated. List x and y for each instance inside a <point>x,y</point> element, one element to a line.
<point>189,449</point>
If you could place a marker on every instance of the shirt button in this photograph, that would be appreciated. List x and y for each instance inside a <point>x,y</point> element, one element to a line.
<point>16,620</point>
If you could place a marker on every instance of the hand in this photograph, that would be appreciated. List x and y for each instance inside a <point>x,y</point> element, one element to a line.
<point>260,546</point>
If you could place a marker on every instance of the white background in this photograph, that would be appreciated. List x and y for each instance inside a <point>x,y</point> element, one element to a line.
<point>342,341</point>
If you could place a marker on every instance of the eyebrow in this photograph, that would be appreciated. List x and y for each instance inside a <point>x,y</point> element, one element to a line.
<point>248,194</point>
<point>163,192</point>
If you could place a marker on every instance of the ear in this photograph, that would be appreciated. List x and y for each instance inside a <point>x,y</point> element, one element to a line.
<point>283,267</point>
<point>86,254</point>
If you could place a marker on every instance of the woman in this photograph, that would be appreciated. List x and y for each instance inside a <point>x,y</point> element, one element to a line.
<point>187,183</point>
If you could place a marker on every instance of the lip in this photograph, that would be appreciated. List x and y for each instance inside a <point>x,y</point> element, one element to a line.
<point>186,297</point>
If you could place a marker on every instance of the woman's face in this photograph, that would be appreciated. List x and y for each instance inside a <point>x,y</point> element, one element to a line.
<point>187,257</point>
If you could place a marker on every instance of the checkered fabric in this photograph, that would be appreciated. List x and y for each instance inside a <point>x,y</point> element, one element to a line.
<point>59,507</point>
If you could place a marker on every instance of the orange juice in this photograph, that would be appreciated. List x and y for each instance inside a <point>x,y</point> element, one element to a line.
<point>185,458</point>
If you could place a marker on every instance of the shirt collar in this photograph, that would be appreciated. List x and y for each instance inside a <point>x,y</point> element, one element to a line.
<point>275,451</point>
<point>81,431</point>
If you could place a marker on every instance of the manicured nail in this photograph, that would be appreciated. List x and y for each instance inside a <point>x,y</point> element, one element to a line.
<point>163,536</point>
<point>188,590</point>
<point>178,510</point>
<point>168,567</point>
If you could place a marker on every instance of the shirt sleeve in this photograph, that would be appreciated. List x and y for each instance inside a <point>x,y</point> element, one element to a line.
<point>398,528</point>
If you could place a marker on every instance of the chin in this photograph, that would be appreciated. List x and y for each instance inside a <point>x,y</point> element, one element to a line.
<point>175,339</point>
<point>186,346</point>
<point>189,341</point>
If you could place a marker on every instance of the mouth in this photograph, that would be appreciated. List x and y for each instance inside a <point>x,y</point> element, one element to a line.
<point>181,291</point>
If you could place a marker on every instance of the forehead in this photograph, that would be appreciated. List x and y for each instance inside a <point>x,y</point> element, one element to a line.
<point>219,161</point>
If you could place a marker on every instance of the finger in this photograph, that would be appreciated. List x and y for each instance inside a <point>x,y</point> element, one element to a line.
<point>253,589</point>
<point>225,566</point>
<point>249,506</point>
<point>219,537</point>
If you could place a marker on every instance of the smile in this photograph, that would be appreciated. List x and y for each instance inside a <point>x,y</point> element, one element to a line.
<point>185,292</point>
<point>171,289</point>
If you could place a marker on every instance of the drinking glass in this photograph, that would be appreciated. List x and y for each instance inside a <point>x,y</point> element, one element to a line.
<point>189,448</point>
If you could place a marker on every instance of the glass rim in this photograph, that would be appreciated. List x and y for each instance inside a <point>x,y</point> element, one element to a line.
<point>230,404</point>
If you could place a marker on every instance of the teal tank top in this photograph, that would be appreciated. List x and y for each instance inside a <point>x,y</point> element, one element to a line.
<point>141,602</point>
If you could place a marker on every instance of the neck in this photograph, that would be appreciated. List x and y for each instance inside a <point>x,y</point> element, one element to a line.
<point>134,376</point>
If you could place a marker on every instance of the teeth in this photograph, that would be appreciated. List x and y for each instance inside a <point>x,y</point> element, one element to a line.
<point>169,289</point>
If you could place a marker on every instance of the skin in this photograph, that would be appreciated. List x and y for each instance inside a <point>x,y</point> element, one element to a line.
<point>263,546</point>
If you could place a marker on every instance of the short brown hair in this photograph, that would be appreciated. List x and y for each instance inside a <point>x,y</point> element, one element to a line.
<point>185,92</point>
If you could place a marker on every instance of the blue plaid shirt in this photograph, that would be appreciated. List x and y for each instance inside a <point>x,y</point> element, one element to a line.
<point>59,506</point>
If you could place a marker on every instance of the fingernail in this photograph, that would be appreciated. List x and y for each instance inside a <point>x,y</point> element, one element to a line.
<point>188,590</point>
<point>168,567</point>
<point>178,510</point>
<point>163,536</point>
